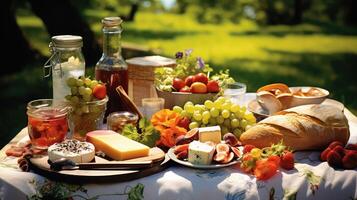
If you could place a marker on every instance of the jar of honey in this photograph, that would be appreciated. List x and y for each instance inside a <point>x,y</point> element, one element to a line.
<point>117,120</point>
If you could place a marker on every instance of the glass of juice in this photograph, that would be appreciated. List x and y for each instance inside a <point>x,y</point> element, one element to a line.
<point>47,122</point>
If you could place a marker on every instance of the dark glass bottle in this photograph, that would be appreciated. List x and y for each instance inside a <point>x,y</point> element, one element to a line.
<point>111,68</point>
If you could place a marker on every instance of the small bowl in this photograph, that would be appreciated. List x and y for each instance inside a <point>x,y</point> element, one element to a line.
<point>274,103</point>
<point>180,98</point>
<point>300,100</point>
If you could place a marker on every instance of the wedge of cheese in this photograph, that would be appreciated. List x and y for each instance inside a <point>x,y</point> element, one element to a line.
<point>116,146</point>
<point>211,133</point>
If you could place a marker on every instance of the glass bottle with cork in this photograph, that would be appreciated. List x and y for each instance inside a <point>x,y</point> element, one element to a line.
<point>111,68</point>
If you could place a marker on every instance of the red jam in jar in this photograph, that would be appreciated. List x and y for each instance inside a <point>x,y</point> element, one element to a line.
<point>47,122</point>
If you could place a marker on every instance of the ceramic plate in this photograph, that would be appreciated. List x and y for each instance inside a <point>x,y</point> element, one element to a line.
<point>257,110</point>
<point>172,156</point>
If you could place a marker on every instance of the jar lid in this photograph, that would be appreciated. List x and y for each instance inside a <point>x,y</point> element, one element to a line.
<point>111,21</point>
<point>151,61</point>
<point>67,41</point>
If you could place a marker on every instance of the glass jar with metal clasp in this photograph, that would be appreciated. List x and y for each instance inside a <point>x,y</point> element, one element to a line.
<point>66,61</point>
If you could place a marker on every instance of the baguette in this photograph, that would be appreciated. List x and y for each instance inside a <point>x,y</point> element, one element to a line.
<point>307,127</point>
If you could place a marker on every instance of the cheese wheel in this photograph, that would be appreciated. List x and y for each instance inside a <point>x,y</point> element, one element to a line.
<point>74,150</point>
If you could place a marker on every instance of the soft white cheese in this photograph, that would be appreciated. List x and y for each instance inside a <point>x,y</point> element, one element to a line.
<point>200,153</point>
<point>78,152</point>
<point>212,133</point>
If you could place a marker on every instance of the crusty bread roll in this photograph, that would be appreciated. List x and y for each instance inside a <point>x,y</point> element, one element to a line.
<point>306,127</point>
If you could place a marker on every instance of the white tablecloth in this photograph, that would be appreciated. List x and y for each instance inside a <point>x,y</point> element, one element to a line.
<point>310,179</point>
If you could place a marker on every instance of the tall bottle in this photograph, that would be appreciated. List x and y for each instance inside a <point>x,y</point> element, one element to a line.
<point>111,68</point>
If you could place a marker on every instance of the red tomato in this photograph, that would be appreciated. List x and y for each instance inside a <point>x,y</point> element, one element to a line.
<point>189,80</point>
<point>212,86</point>
<point>198,87</point>
<point>201,77</point>
<point>178,84</point>
<point>100,91</point>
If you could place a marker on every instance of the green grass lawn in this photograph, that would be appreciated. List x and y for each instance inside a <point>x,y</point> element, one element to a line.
<point>313,53</point>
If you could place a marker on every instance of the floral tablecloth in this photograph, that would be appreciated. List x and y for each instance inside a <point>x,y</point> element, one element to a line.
<point>310,179</point>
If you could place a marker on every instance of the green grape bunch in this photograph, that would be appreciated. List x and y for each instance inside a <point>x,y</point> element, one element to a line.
<point>229,116</point>
<point>86,114</point>
<point>81,89</point>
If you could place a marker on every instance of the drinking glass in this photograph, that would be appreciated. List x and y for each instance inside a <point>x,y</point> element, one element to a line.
<point>235,92</point>
<point>152,105</point>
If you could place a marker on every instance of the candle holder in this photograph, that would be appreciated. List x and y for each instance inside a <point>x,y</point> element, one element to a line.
<point>235,92</point>
<point>152,105</point>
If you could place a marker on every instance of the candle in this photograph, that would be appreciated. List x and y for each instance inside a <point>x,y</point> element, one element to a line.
<point>151,106</point>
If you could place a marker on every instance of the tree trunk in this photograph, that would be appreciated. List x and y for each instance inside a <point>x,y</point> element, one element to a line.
<point>298,11</point>
<point>133,10</point>
<point>16,50</point>
<point>182,6</point>
<point>350,16</point>
<point>62,18</point>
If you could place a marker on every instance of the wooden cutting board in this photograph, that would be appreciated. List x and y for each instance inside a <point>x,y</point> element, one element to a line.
<point>40,166</point>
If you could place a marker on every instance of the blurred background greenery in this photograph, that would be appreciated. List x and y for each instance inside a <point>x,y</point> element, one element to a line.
<point>298,42</point>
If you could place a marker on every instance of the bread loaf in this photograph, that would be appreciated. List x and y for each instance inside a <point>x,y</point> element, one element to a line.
<point>306,127</point>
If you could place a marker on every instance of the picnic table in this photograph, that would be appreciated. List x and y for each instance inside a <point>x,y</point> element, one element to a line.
<point>311,179</point>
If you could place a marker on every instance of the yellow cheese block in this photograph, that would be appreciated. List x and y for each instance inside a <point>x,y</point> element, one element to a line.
<point>116,146</point>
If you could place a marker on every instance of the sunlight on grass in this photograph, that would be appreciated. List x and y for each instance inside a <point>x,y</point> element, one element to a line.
<point>306,54</point>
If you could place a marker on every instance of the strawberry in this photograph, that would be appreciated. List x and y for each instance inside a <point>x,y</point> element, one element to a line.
<point>100,91</point>
<point>352,147</point>
<point>265,169</point>
<point>247,148</point>
<point>323,155</point>
<point>275,159</point>
<point>334,159</point>
<point>287,160</point>
<point>335,143</point>
<point>349,161</point>
<point>340,150</point>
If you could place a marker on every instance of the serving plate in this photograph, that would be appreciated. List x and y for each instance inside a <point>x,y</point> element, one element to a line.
<point>173,157</point>
<point>260,113</point>
<point>40,166</point>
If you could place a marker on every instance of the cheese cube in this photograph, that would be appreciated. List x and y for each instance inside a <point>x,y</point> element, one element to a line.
<point>116,146</point>
<point>200,153</point>
<point>212,133</point>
